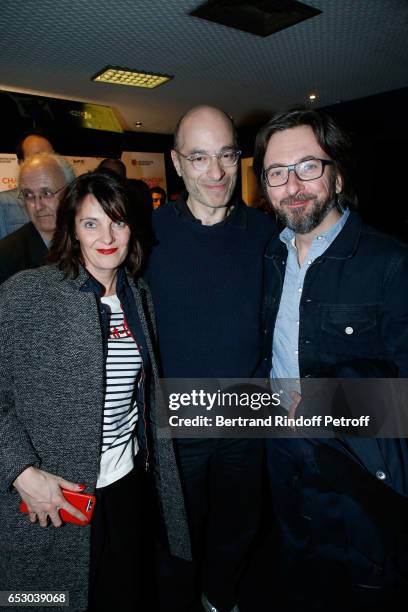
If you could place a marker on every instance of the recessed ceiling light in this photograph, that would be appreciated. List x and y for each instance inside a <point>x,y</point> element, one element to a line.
<point>258,16</point>
<point>132,78</point>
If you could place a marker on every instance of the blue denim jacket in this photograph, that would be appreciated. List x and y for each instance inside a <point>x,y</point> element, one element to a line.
<point>354,302</point>
<point>354,309</point>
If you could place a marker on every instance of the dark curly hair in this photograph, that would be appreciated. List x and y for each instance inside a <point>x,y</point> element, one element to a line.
<point>113,196</point>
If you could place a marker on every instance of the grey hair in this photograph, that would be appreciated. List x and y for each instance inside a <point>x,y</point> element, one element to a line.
<point>62,163</point>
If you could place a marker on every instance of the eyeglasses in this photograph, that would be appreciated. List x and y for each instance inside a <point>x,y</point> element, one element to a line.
<point>307,170</point>
<point>45,195</point>
<point>201,161</point>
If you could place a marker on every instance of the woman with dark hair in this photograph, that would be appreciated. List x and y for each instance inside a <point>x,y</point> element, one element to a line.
<point>76,366</point>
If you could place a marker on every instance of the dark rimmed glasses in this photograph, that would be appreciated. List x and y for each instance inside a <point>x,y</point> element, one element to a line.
<point>306,170</point>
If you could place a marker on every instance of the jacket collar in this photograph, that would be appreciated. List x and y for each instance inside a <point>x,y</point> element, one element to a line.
<point>88,284</point>
<point>342,247</point>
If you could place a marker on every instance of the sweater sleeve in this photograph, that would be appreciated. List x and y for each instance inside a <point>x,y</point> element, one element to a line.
<point>16,450</point>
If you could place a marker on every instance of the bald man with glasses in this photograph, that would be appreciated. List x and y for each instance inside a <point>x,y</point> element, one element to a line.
<point>206,278</point>
<point>42,180</point>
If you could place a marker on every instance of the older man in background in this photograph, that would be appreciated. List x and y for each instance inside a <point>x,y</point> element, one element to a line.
<point>12,212</point>
<point>114,165</point>
<point>42,180</point>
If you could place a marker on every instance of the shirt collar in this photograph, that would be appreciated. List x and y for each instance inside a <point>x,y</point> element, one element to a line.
<point>237,216</point>
<point>287,235</point>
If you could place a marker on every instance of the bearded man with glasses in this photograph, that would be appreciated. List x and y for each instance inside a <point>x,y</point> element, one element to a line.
<point>205,274</point>
<point>335,307</point>
<point>42,180</point>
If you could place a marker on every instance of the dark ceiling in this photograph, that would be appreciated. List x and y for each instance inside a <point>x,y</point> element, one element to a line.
<point>353,49</point>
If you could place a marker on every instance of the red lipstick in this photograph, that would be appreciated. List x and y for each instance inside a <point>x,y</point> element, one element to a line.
<point>107,251</point>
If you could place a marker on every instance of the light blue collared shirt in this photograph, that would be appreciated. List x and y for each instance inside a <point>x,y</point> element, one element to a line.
<point>285,343</point>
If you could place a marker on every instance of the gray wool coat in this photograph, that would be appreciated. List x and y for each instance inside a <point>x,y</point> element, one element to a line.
<point>51,403</point>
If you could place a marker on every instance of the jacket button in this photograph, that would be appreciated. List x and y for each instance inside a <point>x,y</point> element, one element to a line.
<point>380,475</point>
<point>349,331</point>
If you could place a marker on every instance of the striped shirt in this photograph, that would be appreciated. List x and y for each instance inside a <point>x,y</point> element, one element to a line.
<point>123,366</point>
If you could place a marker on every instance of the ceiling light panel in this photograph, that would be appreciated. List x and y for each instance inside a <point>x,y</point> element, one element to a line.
<point>132,78</point>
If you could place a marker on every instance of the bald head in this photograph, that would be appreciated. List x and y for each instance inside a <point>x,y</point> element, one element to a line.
<point>39,163</point>
<point>205,144</point>
<point>34,144</point>
<point>114,165</point>
<point>205,115</point>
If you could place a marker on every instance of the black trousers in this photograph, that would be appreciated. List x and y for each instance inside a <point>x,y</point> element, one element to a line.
<point>222,480</point>
<point>121,565</point>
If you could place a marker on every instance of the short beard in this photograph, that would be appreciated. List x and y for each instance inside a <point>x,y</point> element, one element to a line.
<point>301,222</point>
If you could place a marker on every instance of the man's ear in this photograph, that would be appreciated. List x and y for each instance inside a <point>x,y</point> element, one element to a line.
<point>339,183</point>
<point>176,161</point>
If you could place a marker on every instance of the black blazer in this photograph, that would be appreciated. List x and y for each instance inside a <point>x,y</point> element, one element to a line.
<point>21,250</point>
